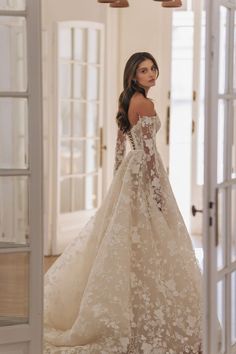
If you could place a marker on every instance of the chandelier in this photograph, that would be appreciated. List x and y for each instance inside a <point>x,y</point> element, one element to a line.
<point>125,3</point>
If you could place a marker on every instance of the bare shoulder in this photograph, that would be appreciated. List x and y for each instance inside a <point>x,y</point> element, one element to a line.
<point>141,106</point>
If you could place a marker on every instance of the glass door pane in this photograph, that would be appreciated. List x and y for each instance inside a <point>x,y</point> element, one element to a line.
<point>221,229</point>
<point>13,74</point>
<point>221,313</point>
<point>14,223</point>
<point>233,147</point>
<point>80,36</point>
<point>14,133</point>
<point>223,49</point>
<point>93,46</point>
<point>221,150</point>
<point>12,4</point>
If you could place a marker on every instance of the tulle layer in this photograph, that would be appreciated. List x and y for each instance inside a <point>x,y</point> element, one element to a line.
<point>130,281</point>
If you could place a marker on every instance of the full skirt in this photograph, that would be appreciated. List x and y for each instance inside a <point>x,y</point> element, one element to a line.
<point>130,282</point>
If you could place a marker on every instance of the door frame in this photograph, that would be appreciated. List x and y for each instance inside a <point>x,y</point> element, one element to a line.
<point>211,186</point>
<point>30,335</point>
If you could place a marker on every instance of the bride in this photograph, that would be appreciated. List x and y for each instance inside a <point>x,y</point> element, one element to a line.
<point>130,281</point>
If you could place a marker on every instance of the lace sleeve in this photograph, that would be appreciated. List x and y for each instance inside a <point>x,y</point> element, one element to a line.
<point>120,149</point>
<point>149,149</point>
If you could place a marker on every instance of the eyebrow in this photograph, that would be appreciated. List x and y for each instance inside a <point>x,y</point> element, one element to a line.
<point>146,67</point>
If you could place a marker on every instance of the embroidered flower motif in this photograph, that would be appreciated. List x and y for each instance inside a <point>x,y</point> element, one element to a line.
<point>130,282</point>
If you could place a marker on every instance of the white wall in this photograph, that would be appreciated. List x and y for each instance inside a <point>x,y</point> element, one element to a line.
<point>69,10</point>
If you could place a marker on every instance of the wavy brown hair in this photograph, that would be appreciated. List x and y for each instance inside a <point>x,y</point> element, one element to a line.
<point>131,86</point>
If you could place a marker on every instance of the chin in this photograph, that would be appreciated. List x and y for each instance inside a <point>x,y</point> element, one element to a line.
<point>151,85</point>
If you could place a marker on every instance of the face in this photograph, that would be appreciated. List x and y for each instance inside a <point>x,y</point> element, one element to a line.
<point>146,74</point>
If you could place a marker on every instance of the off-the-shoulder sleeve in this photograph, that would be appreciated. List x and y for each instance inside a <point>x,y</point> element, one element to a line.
<point>150,153</point>
<point>120,149</point>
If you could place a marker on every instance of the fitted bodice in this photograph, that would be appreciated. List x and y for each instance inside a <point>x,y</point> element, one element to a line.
<point>135,134</point>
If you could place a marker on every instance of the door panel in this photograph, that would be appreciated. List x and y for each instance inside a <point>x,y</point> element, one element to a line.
<point>220,181</point>
<point>21,256</point>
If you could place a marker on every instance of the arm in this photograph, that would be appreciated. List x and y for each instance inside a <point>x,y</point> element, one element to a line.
<point>120,149</point>
<point>149,149</point>
<point>144,109</point>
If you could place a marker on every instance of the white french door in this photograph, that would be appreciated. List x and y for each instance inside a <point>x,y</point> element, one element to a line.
<point>21,253</point>
<point>220,177</point>
<point>80,57</point>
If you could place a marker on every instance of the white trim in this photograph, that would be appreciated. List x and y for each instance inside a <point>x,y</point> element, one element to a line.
<point>196,189</point>
<point>20,333</point>
<point>13,94</point>
<point>16,249</point>
<point>15,172</point>
<point>36,179</point>
<point>14,13</point>
<point>210,172</point>
<point>56,144</point>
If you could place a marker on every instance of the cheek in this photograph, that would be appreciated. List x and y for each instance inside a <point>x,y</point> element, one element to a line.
<point>141,77</point>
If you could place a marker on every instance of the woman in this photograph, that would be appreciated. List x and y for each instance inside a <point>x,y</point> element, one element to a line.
<point>130,283</point>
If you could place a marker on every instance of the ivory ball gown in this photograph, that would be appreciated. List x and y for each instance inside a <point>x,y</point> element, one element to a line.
<point>130,281</point>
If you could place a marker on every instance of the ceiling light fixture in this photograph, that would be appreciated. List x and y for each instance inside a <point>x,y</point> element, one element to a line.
<point>120,3</point>
<point>106,1</point>
<point>125,3</point>
<point>173,3</point>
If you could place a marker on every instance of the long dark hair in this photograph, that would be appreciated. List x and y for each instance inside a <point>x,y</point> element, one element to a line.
<point>131,86</point>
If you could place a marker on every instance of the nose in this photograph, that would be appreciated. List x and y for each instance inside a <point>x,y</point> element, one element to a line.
<point>151,75</point>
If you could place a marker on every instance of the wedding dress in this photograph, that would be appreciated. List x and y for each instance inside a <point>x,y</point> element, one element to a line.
<point>130,281</point>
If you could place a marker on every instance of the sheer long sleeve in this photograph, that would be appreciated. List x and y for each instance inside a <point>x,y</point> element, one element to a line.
<point>150,152</point>
<point>120,149</point>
